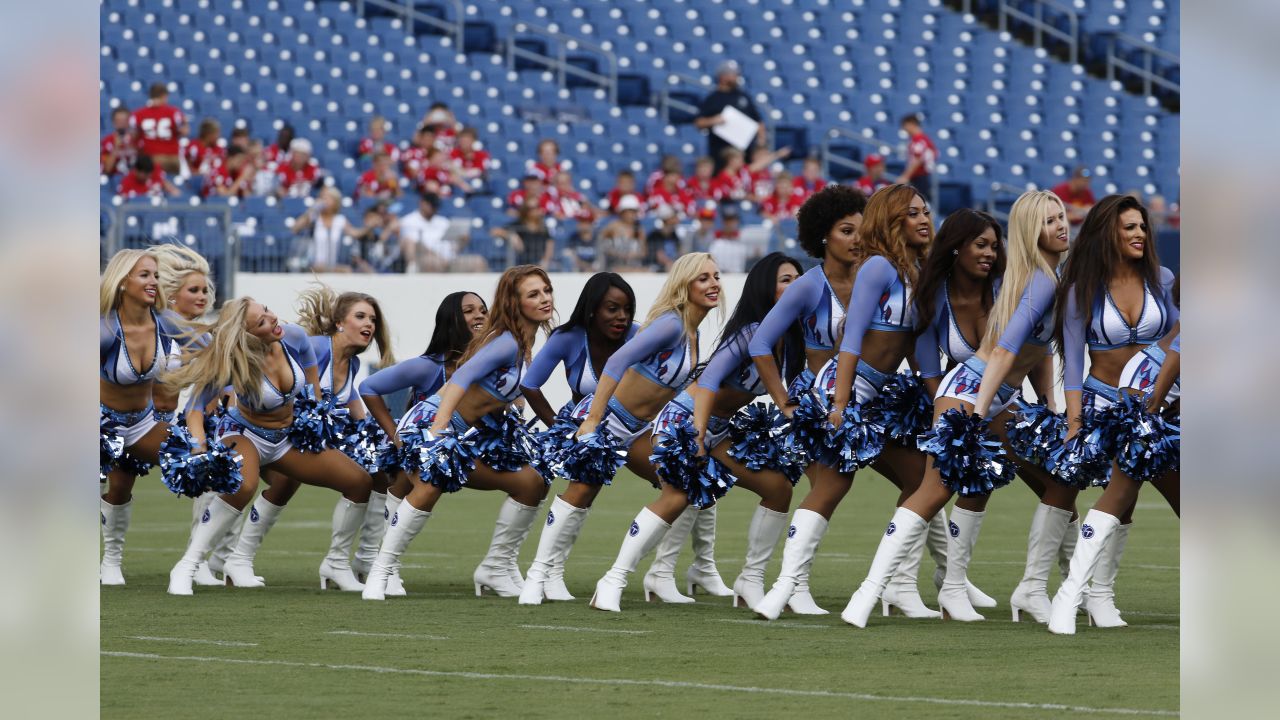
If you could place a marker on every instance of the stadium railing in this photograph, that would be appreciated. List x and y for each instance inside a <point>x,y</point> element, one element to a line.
<point>208,229</point>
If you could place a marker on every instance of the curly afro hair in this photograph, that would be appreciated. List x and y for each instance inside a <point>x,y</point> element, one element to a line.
<point>821,211</point>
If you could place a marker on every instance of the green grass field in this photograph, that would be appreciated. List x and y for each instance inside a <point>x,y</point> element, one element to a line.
<point>290,650</point>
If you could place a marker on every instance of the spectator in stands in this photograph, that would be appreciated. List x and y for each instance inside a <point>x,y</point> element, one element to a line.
<point>380,181</point>
<point>116,151</point>
<point>531,186</point>
<point>1076,195</point>
<point>443,126</point>
<point>624,184</point>
<point>277,152</point>
<point>204,154</point>
<point>264,171</point>
<point>733,183</point>
<point>581,252</point>
<point>662,246</point>
<point>704,228</point>
<point>331,247</point>
<point>874,178</point>
<point>470,161</point>
<point>669,194</point>
<point>784,202</point>
<point>1163,214</point>
<point>379,251</point>
<point>548,162</point>
<point>761,173</point>
<point>158,129</point>
<point>414,158</point>
<point>425,242</point>
<point>530,240</point>
<point>439,176</point>
<point>670,165</point>
<point>810,180</point>
<point>710,113</point>
<point>921,156</point>
<point>565,201</point>
<point>700,186</point>
<point>299,174</point>
<point>376,142</point>
<point>232,177</point>
<point>144,179</point>
<point>727,249</point>
<point>240,138</point>
<point>622,240</point>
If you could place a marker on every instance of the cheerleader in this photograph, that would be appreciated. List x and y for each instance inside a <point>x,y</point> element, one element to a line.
<point>602,321</point>
<point>697,423</point>
<point>459,319</point>
<point>339,328</point>
<point>638,381</point>
<point>976,387</point>
<point>267,364</point>
<point>440,429</point>
<point>1117,301</point>
<point>134,341</point>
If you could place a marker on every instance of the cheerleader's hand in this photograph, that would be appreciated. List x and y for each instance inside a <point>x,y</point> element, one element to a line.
<point>836,418</point>
<point>789,407</point>
<point>1073,427</point>
<point>1154,404</point>
<point>699,443</point>
<point>588,426</point>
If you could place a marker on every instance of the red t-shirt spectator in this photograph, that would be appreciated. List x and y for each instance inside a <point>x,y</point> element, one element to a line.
<point>700,189</point>
<point>615,195</point>
<point>727,186</point>
<point>921,148</point>
<point>438,180</point>
<point>680,200</point>
<point>516,200</point>
<point>131,187</point>
<point>446,137</point>
<point>805,188</point>
<point>368,146</point>
<point>298,183</point>
<point>761,183</point>
<point>414,158</point>
<point>220,178</point>
<point>774,207</point>
<point>867,186</point>
<point>371,186</point>
<point>655,181</point>
<point>546,172</point>
<point>563,204</point>
<point>1070,197</point>
<point>477,160</point>
<point>122,146</point>
<point>157,127</point>
<point>203,159</point>
<point>274,154</point>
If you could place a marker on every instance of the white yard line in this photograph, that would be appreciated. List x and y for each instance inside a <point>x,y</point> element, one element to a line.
<point>570,628</point>
<point>193,641</point>
<point>356,633</point>
<point>673,684</point>
<point>776,623</point>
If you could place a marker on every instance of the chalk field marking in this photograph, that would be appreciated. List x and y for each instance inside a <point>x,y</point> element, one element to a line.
<point>775,623</point>
<point>675,684</point>
<point>356,633</point>
<point>569,628</point>
<point>192,641</point>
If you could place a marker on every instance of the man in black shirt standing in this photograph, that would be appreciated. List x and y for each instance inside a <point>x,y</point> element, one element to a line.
<point>726,93</point>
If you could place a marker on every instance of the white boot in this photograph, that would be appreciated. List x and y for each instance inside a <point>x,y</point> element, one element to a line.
<point>238,568</point>
<point>1032,594</point>
<point>336,566</point>
<point>1097,529</point>
<point>371,531</point>
<point>214,522</point>
<point>395,585</point>
<point>702,573</point>
<point>405,524</point>
<point>223,548</point>
<point>661,578</point>
<point>204,575</point>
<point>546,574</point>
<point>899,538</point>
<point>509,532</point>
<point>903,592</point>
<point>803,537</point>
<point>1100,598</point>
<point>1068,548</point>
<point>939,532</point>
<point>115,522</point>
<point>762,537</point>
<point>953,598</point>
<point>646,531</point>
<point>553,588</point>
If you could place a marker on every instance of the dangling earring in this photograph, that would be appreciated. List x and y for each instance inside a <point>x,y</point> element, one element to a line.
<point>339,328</point>
<point>955,252</point>
<point>824,241</point>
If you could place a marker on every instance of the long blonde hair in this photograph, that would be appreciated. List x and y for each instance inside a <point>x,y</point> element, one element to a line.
<point>1026,223</point>
<point>114,275</point>
<point>176,263</point>
<point>227,354</point>
<point>674,295</point>
<point>320,309</point>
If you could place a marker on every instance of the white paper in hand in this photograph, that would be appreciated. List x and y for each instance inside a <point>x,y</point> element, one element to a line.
<point>737,129</point>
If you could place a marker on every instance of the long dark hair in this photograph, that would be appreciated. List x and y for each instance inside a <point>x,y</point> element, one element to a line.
<point>959,229</point>
<point>1095,256</point>
<point>592,295</point>
<point>758,298</point>
<point>450,338</point>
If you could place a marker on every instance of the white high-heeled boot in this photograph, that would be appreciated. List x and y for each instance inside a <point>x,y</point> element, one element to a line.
<point>762,537</point>
<point>1045,537</point>
<point>115,523</point>
<point>336,566</point>
<point>1100,597</point>
<point>546,573</point>
<point>953,598</point>
<point>939,534</point>
<point>370,536</point>
<point>645,533</point>
<point>215,521</point>
<point>223,547</point>
<point>803,537</point>
<point>204,575</point>
<point>405,524</point>
<point>902,591</point>
<point>395,585</point>
<point>1068,548</point>
<point>660,580</point>
<point>237,571</point>
<point>899,538</point>
<point>702,573</point>
<point>1097,529</point>
<point>509,532</point>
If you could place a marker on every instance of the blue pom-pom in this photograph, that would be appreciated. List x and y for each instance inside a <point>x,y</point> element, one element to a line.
<point>970,459</point>
<point>709,485</point>
<point>856,443</point>
<point>318,423</point>
<point>110,445</point>
<point>557,439</point>
<point>1085,459</point>
<point>1147,446</point>
<point>444,460</point>
<point>675,458</point>
<point>133,465</point>
<point>809,429</point>
<point>759,436</point>
<point>184,473</point>
<point>904,408</point>
<point>506,444</point>
<point>365,442</point>
<point>1036,433</point>
<point>593,459</point>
